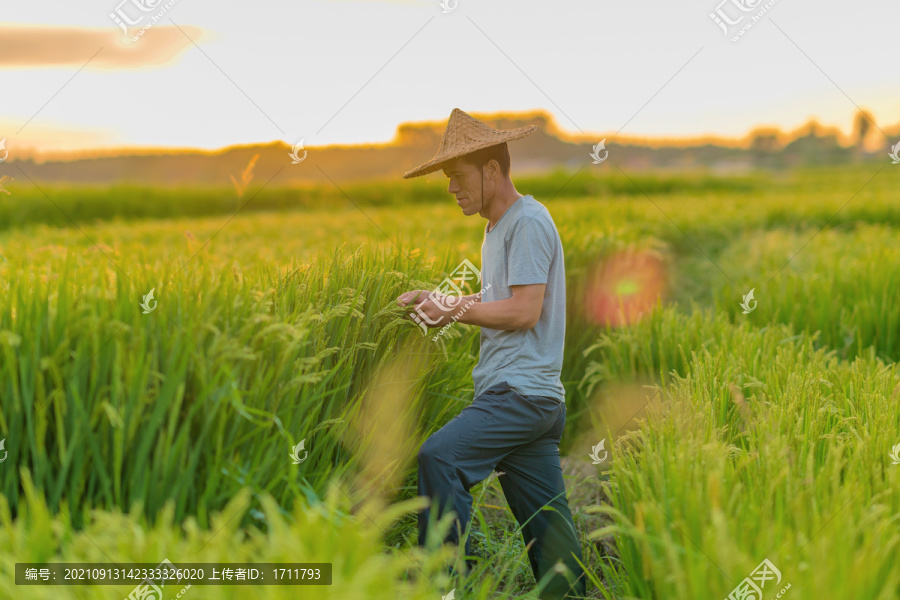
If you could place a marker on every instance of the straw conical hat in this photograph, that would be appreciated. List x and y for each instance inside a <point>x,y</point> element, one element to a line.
<point>465,134</point>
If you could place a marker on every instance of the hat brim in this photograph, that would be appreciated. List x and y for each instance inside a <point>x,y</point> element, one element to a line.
<point>440,158</point>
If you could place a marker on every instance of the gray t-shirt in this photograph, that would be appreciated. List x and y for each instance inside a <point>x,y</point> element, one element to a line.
<point>524,248</point>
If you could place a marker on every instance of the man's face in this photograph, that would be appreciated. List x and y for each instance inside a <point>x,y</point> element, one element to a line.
<point>465,184</point>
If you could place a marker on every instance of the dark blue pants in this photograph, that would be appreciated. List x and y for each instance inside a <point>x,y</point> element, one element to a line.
<point>519,436</point>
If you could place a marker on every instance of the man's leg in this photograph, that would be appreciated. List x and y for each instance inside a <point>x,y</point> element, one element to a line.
<point>461,454</point>
<point>533,478</point>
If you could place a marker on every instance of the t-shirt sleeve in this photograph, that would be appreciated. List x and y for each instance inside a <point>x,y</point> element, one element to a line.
<point>531,247</point>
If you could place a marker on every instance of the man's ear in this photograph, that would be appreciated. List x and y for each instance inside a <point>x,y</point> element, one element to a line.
<point>494,169</point>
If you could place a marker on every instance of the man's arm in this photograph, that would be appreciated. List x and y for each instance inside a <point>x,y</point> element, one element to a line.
<point>475,297</point>
<point>521,311</point>
<point>416,296</point>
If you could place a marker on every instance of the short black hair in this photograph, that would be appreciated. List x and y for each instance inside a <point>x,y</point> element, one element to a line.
<point>499,152</point>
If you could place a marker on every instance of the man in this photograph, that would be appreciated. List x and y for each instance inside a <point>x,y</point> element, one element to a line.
<point>515,422</point>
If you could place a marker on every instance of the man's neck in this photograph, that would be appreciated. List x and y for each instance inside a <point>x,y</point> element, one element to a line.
<point>498,210</point>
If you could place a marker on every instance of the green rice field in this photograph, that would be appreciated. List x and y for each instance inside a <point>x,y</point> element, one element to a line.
<point>733,438</point>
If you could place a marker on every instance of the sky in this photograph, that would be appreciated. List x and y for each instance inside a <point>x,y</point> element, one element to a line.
<point>214,74</point>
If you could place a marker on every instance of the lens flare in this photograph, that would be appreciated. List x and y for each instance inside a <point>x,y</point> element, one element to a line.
<point>624,287</point>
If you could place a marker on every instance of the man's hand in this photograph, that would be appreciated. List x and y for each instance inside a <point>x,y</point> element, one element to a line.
<point>414,296</point>
<point>430,310</point>
<point>427,305</point>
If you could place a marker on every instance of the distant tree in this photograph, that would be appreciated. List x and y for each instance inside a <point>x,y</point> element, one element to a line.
<point>816,149</point>
<point>813,127</point>
<point>862,126</point>
<point>764,144</point>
